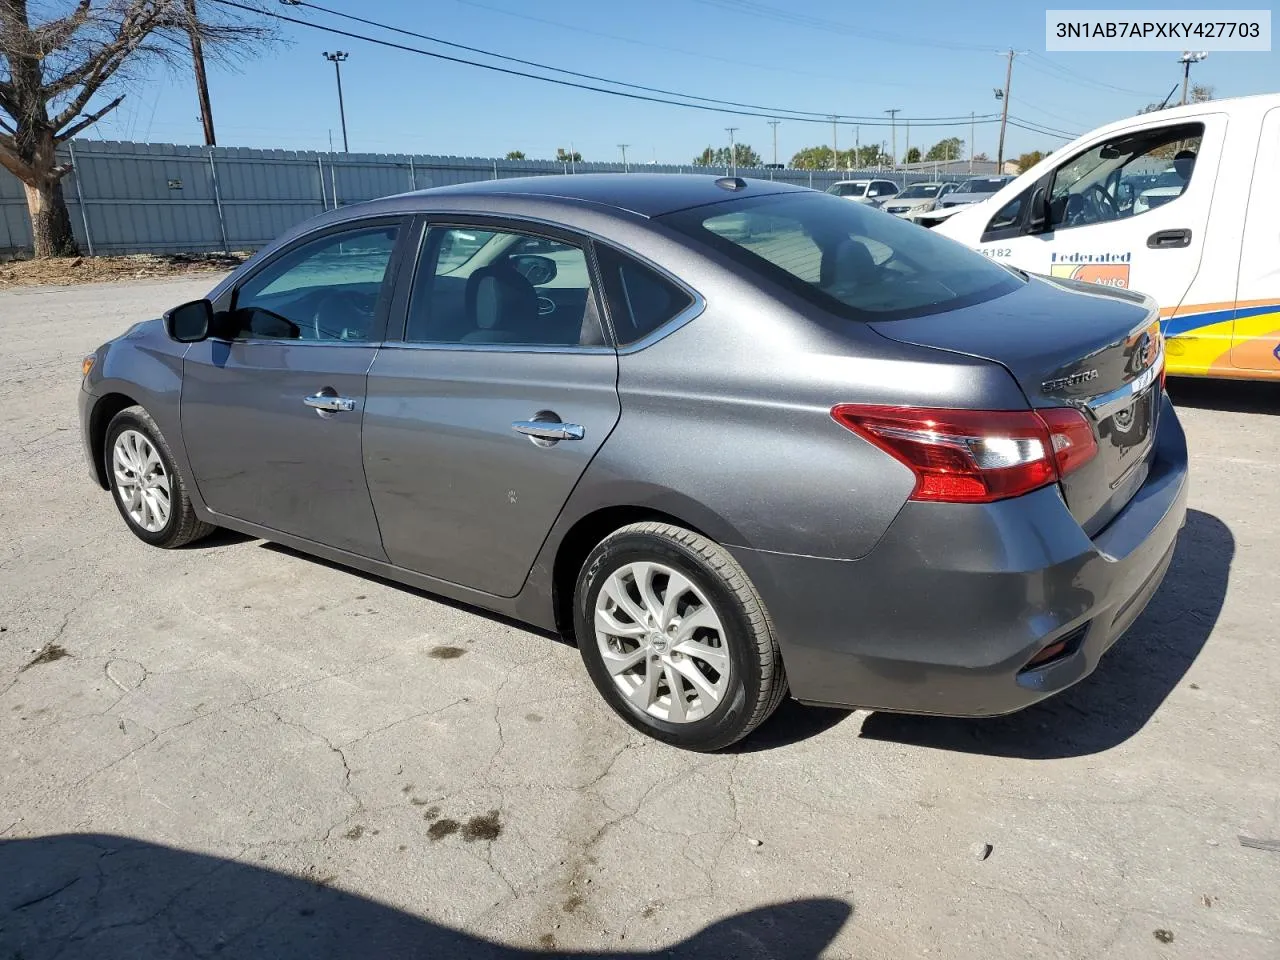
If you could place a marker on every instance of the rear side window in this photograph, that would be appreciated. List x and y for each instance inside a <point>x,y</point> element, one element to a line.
<point>640,299</point>
<point>848,258</point>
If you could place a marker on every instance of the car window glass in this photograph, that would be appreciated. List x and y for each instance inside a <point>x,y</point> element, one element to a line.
<point>640,300</point>
<point>845,256</point>
<point>1007,216</point>
<point>498,287</point>
<point>327,289</point>
<point>1125,176</point>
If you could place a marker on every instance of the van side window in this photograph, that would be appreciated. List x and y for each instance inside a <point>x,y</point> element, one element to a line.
<point>1124,177</point>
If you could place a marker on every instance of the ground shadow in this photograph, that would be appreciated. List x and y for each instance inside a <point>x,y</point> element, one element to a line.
<point>221,537</point>
<point>1237,396</point>
<point>792,723</point>
<point>114,898</point>
<point>1126,689</point>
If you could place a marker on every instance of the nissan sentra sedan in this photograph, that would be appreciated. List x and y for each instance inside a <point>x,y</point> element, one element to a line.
<point>740,440</point>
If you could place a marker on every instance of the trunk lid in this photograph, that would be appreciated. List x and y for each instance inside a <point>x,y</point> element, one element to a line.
<point>1077,344</point>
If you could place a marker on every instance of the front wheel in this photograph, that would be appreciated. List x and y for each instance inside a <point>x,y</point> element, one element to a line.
<point>675,637</point>
<point>145,484</point>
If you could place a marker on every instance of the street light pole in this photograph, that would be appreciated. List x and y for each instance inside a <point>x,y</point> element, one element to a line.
<point>337,58</point>
<point>774,124</point>
<point>733,152</point>
<point>623,148</point>
<point>1187,59</point>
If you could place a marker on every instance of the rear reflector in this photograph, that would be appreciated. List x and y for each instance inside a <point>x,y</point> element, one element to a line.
<point>975,456</point>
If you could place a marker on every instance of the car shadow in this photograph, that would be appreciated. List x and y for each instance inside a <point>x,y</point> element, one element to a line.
<point>111,898</point>
<point>1133,679</point>
<point>1235,396</point>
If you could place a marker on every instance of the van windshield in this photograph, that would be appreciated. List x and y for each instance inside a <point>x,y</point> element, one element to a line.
<point>847,258</point>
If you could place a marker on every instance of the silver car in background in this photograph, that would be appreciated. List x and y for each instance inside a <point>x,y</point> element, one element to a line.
<point>737,439</point>
<point>871,192</point>
<point>918,198</point>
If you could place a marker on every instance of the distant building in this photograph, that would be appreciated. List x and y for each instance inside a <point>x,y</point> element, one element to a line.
<point>953,168</point>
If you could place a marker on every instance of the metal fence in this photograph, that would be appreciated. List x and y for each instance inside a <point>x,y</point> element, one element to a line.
<point>161,198</point>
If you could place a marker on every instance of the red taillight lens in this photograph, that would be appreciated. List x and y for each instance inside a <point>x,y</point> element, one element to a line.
<point>975,456</point>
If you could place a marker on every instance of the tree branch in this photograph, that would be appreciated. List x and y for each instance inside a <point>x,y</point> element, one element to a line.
<point>83,122</point>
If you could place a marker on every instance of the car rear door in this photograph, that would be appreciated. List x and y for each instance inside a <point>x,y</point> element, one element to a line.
<point>272,405</point>
<point>1255,343</point>
<point>487,406</point>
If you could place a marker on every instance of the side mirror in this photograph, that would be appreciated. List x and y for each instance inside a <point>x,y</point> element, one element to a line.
<point>190,322</point>
<point>1038,215</point>
<point>536,269</point>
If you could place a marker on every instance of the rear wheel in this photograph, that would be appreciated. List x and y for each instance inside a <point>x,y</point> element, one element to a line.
<point>145,485</point>
<point>675,637</point>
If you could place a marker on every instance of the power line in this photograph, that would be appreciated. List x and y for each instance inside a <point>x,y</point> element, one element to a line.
<point>708,105</point>
<point>1042,61</point>
<point>1047,113</point>
<point>570,73</point>
<point>1023,124</point>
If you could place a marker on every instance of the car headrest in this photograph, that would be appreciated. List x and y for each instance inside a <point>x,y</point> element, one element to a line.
<point>499,298</point>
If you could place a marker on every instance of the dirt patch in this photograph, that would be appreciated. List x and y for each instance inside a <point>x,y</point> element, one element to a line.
<point>49,654</point>
<point>483,827</point>
<point>445,653</point>
<point>442,828</point>
<point>355,833</point>
<point>572,904</point>
<point>58,271</point>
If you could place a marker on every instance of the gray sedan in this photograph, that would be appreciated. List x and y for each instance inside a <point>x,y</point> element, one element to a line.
<point>737,439</point>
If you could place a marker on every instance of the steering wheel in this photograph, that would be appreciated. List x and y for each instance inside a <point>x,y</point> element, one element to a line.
<point>334,315</point>
<point>1098,204</point>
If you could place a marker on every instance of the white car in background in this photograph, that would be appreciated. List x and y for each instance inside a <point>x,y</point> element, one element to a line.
<point>918,198</point>
<point>872,192</point>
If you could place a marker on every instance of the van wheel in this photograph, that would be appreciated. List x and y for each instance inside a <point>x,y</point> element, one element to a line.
<point>676,638</point>
<point>145,484</point>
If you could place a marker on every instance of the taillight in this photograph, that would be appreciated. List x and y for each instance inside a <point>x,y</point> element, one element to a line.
<point>975,456</point>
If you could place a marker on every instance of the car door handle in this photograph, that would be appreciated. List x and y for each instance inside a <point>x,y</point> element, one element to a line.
<point>1169,239</point>
<point>330,403</point>
<point>549,430</point>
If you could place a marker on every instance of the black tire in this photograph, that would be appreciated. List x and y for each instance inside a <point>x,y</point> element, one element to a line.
<point>757,681</point>
<point>183,526</point>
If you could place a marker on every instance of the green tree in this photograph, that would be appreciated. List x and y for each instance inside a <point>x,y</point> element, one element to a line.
<point>516,155</point>
<point>564,156</point>
<point>1028,160</point>
<point>812,158</point>
<point>950,148</point>
<point>982,156</point>
<point>706,158</point>
<point>746,157</point>
<point>913,155</point>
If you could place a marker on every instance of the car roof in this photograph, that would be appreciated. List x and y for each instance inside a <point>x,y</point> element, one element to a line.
<point>647,194</point>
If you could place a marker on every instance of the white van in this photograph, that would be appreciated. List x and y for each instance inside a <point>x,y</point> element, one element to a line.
<point>1183,204</point>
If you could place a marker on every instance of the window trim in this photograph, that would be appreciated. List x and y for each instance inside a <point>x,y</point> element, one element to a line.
<point>396,333</point>
<point>226,299</point>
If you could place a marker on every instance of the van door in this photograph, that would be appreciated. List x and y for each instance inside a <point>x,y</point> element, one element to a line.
<point>1255,342</point>
<point>1129,210</point>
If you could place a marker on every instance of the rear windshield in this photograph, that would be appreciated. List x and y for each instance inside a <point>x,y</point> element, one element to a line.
<point>847,189</point>
<point>850,259</point>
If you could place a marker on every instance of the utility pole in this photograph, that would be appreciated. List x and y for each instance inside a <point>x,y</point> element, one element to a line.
<point>623,148</point>
<point>857,145</point>
<point>906,151</point>
<point>1187,59</point>
<point>1004,112</point>
<point>732,171</point>
<point>835,148</point>
<point>893,124</point>
<point>337,58</point>
<point>774,124</point>
<point>972,142</point>
<point>202,82</point>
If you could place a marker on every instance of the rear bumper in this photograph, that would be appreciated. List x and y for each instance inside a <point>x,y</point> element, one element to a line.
<point>943,615</point>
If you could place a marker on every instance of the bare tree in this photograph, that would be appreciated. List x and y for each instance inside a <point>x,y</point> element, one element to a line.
<point>60,74</point>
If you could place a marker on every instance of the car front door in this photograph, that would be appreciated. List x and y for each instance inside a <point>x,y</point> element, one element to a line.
<point>272,405</point>
<point>481,419</point>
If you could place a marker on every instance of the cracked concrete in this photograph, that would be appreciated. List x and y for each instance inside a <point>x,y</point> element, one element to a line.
<point>230,762</point>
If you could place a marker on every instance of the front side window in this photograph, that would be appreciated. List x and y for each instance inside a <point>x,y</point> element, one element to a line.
<point>1125,176</point>
<point>475,286</point>
<point>848,259</point>
<point>327,289</point>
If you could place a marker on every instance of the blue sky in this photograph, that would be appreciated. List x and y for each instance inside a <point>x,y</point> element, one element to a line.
<point>933,59</point>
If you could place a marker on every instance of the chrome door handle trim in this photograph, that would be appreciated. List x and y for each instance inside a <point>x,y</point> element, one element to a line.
<point>324,401</point>
<point>549,430</point>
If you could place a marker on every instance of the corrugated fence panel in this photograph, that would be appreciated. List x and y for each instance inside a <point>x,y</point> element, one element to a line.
<point>162,198</point>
